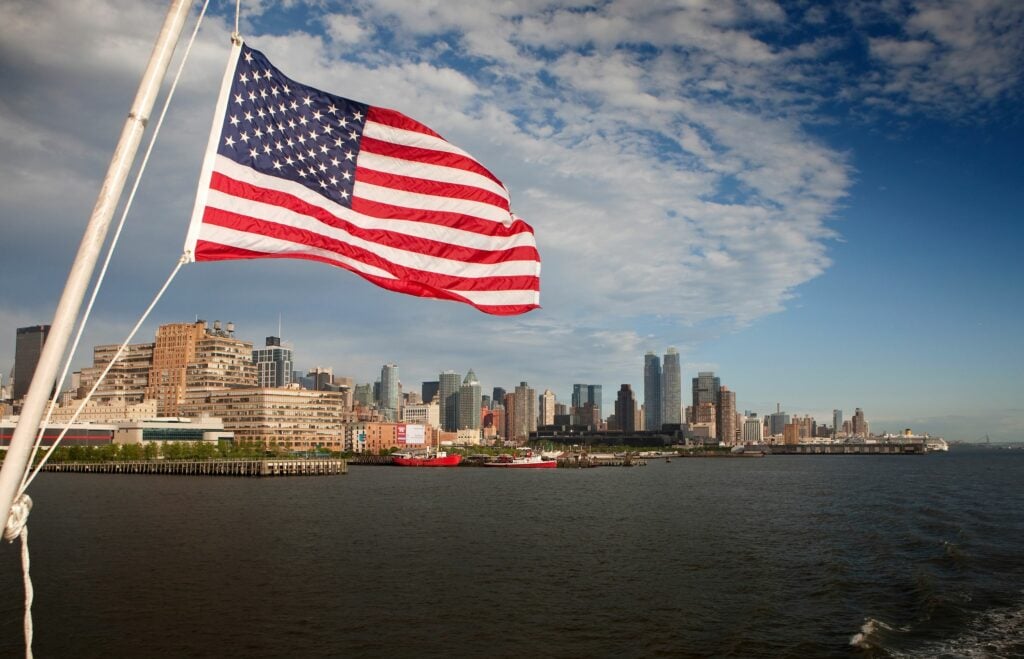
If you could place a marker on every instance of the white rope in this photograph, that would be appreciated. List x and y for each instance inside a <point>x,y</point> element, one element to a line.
<point>25,480</point>
<point>16,525</point>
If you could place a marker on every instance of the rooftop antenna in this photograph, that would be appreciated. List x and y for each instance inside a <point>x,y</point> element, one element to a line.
<point>279,324</point>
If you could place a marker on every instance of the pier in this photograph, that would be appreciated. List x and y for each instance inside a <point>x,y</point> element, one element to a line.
<point>886,448</point>
<point>251,468</point>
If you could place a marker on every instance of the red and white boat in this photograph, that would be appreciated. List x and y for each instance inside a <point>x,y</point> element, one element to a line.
<point>525,461</point>
<point>439,459</point>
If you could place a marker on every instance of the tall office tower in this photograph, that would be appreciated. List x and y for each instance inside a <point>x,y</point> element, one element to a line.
<point>448,384</point>
<point>28,347</point>
<point>580,395</point>
<point>469,402</point>
<point>705,388</point>
<point>547,408</point>
<point>671,389</point>
<point>273,364</point>
<point>753,430</point>
<point>860,424</point>
<point>625,409</point>
<point>319,378</point>
<point>652,392</point>
<point>837,423</point>
<point>525,413</point>
<point>428,391</point>
<point>390,397</point>
<point>485,401</point>
<point>777,422</point>
<point>594,394</point>
<point>725,420</point>
<point>498,396</point>
<point>127,379</point>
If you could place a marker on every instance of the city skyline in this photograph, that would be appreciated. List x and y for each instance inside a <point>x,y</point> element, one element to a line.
<point>819,204</point>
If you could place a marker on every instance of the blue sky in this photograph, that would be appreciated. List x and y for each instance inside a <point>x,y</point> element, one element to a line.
<point>821,202</point>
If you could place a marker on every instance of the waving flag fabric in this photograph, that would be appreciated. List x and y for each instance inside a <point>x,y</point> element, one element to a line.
<point>295,172</point>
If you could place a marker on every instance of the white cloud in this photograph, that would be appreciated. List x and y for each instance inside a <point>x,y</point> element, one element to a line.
<point>659,149</point>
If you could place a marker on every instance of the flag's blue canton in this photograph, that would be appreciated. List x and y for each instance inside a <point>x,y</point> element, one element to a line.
<point>286,129</point>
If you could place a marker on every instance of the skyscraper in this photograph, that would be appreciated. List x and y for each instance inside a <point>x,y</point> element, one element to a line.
<point>547,408</point>
<point>469,402</point>
<point>671,389</point>
<point>652,391</point>
<point>725,421</point>
<point>837,423</point>
<point>705,388</point>
<point>448,392</point>
<point>594,393</point>
<point>390,393</point>
<point>498,396</point>
<point>580,395</point>
<point>428,391</point>
<point>625,409</point>
<point>860,424</point>
<point>27,349</point>
<point>525,413</point>
<point>273,364</point>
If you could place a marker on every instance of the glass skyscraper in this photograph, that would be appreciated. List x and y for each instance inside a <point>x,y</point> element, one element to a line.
<point>273,364</point>
<point>671,389</point>
<point>652,392</point>
<point>390,395</point>
<point>448,394</point>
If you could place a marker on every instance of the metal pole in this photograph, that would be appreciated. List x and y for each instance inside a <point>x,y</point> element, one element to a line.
<point>85,261</point>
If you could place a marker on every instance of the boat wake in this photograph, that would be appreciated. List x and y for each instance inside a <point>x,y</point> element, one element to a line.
<point>993,634</point>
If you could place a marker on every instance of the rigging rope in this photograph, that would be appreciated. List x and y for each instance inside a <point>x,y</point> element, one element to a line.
<point>25,480</point>
<point>16,524</point>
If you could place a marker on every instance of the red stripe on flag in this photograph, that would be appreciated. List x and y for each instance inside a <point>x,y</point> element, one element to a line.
<point>216,252</point>
<point>429,187</point>
<point>395,239</point>
<point>419,154</point>
<point>396,119</point>
<point>315,240</point>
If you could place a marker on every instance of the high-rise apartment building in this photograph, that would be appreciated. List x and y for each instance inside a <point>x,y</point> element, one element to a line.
<point>448,384</point>
<point>625,409</point>
<point>28,347</point>
<point>837,423</point>
<point>390,392</point>
<point>470,394</point>
<point>547,408</point>
<point>725,419</point>
<point>127,379</point>
<point>671,389</point>
<point>860,424</point>
<point>524,416</point>
<point>753,430</point>
<point>273,364</point>
<point>652,392</point>
<point>193,356</point>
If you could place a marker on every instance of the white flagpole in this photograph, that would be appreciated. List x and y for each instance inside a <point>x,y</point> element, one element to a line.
<point>88,252</point>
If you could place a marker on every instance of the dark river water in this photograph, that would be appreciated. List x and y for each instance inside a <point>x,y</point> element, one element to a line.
<point>784,556</point>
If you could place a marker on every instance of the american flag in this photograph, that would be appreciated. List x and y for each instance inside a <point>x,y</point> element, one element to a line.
<point>295,172</point>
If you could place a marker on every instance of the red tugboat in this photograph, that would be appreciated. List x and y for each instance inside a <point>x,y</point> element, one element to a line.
<point>525,461</point>
<point>439,459</point>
